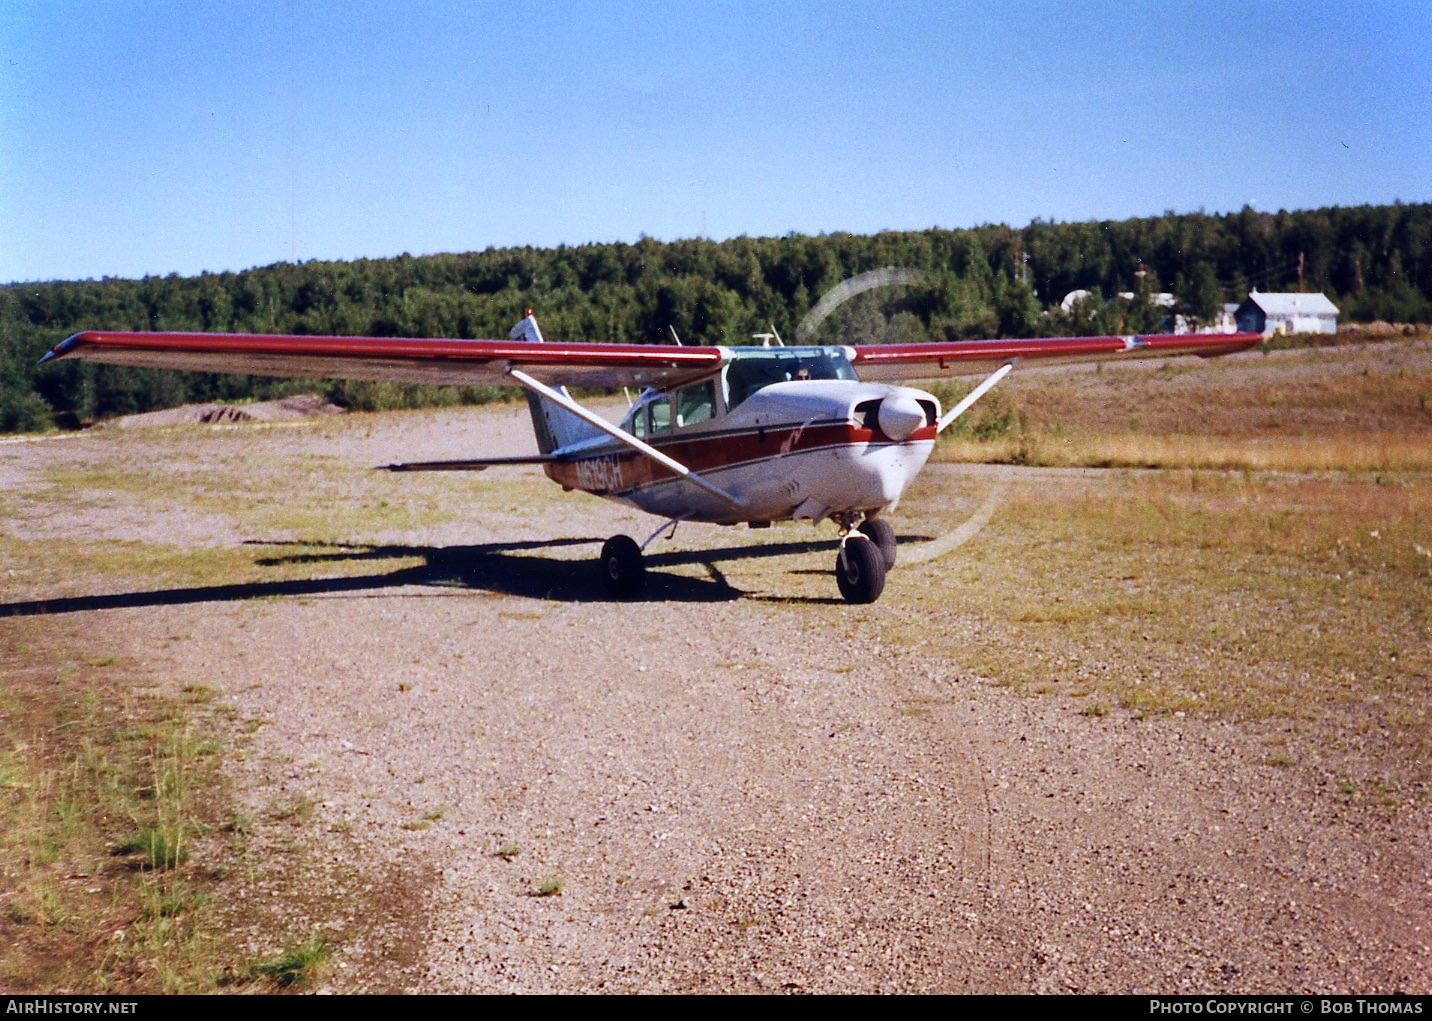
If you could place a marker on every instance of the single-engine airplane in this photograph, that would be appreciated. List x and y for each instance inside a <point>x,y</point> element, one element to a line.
<point>727,435</point>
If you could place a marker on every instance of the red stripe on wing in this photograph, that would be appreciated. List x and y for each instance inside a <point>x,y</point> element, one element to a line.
<point>972,357</point>
<point>419,360</point>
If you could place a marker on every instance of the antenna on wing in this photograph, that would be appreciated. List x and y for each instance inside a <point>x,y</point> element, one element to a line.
<point>674,336</point>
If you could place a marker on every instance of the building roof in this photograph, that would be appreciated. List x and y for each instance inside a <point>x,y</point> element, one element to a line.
<point>1289,304</point>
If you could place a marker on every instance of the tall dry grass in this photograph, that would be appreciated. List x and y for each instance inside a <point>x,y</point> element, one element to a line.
<point>1239,595</point>
<point>1356,450</point>
<point>1319,409</point>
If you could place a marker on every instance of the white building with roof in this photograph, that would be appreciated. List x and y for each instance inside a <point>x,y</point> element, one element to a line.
<point>1269,313</point>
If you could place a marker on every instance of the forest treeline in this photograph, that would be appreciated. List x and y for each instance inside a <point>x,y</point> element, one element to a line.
<point>1375,262</point>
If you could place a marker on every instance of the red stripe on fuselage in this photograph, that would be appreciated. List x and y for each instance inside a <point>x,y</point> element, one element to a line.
<point>617,469</point>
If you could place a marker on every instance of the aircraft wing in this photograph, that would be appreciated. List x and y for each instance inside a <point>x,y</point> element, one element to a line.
<point>399,360</point>
<point>890,362</point>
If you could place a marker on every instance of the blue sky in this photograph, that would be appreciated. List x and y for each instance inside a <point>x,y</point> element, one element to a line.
<point>155,137</point>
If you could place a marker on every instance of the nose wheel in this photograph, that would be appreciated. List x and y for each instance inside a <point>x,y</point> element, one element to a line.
<point>879,531</point>
<point>867,554</point>
<point>860,569</point>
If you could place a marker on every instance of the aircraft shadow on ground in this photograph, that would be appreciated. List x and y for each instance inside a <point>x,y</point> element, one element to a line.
<point>505,568</point>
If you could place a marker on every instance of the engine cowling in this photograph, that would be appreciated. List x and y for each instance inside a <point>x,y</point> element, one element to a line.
<point>900,415</point>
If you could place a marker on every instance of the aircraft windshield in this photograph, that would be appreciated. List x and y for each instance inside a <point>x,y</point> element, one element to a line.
<point>753,369</point>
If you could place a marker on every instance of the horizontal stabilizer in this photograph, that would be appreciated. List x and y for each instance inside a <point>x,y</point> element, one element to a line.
<point>472,465</point>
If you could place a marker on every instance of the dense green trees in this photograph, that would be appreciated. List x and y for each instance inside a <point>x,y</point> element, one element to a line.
<point>1373,261</point>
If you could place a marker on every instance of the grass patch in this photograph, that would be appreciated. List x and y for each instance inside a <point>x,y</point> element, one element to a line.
<point>126,863</point>
<point>296,964</point>
<point>425,820</point>
<point>105,800</point>
<point>299,809</point>
<point>548,886</point>
<point>340,498</point>
<point>160,847</point>
<point>126,562</point>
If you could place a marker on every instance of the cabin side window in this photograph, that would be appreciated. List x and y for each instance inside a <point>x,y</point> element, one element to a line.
<point>659,415</point>
<point>691,405</point>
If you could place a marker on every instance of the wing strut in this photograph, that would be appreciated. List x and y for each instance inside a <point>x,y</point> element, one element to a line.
<point>620,435</point>
<point>974,395</point>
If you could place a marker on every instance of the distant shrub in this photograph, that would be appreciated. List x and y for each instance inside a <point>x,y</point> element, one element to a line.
<point>25,413</point>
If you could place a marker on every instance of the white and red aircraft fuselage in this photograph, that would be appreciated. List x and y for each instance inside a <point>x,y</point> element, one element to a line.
<point>728,435</point>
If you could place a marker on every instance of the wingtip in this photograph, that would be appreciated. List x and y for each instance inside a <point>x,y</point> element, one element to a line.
<point>61,349</point>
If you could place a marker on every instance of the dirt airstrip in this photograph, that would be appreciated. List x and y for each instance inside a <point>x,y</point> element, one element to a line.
<point>734,784</point>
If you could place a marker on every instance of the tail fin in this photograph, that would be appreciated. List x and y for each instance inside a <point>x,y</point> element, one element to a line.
<point>555,426</point>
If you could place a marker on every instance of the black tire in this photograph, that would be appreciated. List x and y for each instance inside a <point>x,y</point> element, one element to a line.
<point>622,569</point>
<point>879,531</point>
<point>860,570</point>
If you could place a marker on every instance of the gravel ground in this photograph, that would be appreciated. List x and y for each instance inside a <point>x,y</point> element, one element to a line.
<point>738,785</point>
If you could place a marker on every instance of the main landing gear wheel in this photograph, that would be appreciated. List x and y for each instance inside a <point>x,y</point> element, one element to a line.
<point>880,532</point>
<point>860,570</point>
<point>622,567</point>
